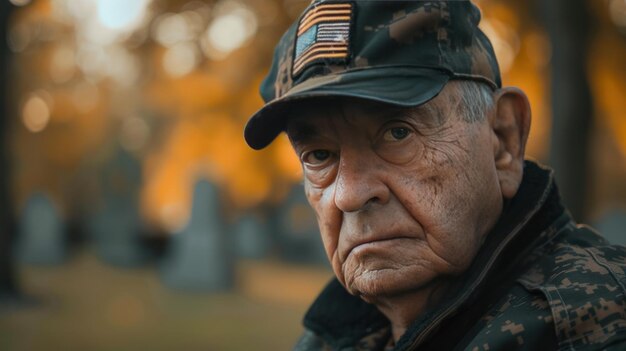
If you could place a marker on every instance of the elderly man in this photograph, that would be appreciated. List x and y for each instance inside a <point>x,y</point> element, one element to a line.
<point>441,236</point>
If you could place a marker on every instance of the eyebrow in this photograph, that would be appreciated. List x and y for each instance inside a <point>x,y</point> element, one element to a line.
<point>301,131</point>
<point>415,112</point>
<point>425,113</point>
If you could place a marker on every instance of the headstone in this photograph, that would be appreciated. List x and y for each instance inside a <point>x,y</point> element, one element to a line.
<point>116,225</point>
<point>41,238</point>
<point>200,255</point>
<point>299,238</point>
<point>613,226</point>
<point>252,237</point>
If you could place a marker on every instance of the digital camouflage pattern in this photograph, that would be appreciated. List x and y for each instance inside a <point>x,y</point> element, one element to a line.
<point>398,52</point>
<point>540,282</point>
<point>574,290</point>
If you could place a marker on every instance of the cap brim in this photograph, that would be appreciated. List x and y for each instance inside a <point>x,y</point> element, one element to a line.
<point>399,86</point>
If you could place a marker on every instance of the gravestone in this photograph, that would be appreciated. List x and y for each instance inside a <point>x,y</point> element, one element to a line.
<point>299,238</point>
<point>613,226</point>
<point>199,257</point>
<point>41,238</point>
<point>252,237</point>
<point>116,225</point>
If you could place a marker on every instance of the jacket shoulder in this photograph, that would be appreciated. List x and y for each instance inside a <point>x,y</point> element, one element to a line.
<point>375,340</point>
<point>583,280</point>
<point>309,341</point>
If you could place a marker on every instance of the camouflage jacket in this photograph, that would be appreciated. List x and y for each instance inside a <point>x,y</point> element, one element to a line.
<point>540,282</point>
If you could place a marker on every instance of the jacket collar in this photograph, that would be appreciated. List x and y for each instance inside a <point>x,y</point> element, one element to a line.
<point>342,319</point>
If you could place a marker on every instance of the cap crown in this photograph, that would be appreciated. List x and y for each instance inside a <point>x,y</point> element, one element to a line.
<point>334,36</point>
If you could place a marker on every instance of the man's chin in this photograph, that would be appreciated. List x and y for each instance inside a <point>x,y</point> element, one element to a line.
<point>374,285</point>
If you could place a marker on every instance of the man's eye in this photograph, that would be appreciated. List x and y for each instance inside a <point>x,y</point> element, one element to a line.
<point>316,157</point>
<point>396,133</point>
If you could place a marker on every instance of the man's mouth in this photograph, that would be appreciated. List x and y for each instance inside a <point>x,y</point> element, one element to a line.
<point>374,243</point>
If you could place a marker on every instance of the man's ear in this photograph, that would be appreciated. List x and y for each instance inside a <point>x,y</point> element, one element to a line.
<point>510,124</point>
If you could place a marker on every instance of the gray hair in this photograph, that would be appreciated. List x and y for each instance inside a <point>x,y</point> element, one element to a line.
<point>476,99</point>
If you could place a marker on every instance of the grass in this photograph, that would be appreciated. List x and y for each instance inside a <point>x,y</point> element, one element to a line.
<point>87,305</point>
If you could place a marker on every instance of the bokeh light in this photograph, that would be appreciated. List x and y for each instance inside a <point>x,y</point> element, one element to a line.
<point>121,14</point>
<point>62,65</point>
<point>617,10</point>
<point>180,59</point>
<point>19,37</point>
<point>234,25</point>
<point>20,2</point>
<point>122,66</point>
<point>36,111</point>
<point>505,41</point>
<point>171,29</point>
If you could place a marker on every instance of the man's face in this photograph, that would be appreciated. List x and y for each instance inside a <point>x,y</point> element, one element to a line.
<point>403,197</point>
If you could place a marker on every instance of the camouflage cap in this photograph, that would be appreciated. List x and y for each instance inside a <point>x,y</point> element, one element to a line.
<point>397,52</point>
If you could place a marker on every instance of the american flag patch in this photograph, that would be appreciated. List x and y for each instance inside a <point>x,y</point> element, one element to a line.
<point>323,33</point>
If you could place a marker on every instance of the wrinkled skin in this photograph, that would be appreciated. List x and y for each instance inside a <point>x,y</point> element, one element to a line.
<point>403,197</point>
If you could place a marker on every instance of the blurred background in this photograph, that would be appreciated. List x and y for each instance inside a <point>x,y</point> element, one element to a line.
<point>133,215</point>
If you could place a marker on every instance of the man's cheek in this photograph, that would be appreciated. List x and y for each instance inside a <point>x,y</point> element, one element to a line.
<point>330,243</point>
<point>349,272</point>
<point>313,195</point>
<point>329,222</point>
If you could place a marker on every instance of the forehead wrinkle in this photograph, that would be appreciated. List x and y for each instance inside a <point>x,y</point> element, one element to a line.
<point>343,113</point>
<point>430,114</point>
<point>425,115</point>
<point>312,124</point>
<point>309,126</point>
<point>353,112</point>
<point>300,131</point>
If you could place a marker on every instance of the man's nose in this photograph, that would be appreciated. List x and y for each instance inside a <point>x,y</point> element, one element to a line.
<point>359,184</point>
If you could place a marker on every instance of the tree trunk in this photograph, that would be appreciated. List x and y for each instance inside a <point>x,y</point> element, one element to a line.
<point>8,285</point>
<point>568,25</point>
